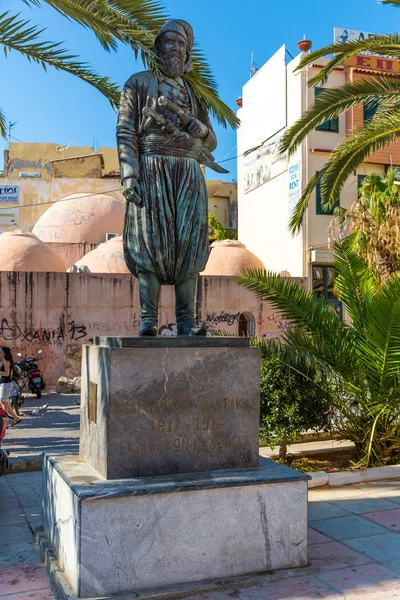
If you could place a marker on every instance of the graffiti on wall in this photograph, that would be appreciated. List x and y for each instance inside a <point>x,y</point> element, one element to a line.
<point>273,326</point>
<point>43,336</point>
<point>215,320</point>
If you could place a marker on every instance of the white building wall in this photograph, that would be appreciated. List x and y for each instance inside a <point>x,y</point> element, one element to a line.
<point>264,211</point>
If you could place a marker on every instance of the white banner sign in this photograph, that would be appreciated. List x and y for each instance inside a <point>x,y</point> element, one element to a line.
<point>263,164</point>
<point>294,172</point>
<point>9,193</point>
<point>9,216</point>
<point>351,35</point>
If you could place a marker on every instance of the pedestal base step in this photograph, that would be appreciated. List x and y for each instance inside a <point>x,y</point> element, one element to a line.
<point>136,535</point>
<point>64,591</point>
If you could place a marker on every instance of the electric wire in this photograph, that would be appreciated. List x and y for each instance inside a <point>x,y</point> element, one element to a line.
<point>107,191</point>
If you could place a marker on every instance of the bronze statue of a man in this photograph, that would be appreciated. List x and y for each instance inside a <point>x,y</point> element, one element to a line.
<point>163,134</point>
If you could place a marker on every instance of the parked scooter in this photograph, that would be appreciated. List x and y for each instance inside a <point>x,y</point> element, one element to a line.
<point>16,398</point>
<point>31,376</point>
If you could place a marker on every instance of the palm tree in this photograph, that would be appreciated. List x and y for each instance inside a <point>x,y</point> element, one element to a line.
<point>131,22</point>
<point>371,227</point>
<point>377,132</point>
<point>362,358</point>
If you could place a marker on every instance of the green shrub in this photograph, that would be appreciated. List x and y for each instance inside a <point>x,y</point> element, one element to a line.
<point>291,402</point>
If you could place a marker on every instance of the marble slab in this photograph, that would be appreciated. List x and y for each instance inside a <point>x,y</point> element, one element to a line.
<point>168,409</point>
<point>129,536</point>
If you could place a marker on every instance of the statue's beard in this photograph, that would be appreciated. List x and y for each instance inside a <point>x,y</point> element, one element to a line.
<point>173,66</point>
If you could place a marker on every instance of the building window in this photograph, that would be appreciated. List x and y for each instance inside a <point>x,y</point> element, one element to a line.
<point>370,110</point>
<point>332,124</point>
<point>360,181</point>
<point>247,325</point>
<point>319,208</point>
<point>323,281</point>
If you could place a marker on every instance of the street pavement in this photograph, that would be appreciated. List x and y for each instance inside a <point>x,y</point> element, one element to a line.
<point>354,546</point>
<point>57,428</point>
<point>354,534</point>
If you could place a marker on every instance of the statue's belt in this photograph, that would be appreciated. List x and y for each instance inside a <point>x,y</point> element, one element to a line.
<point>157,144</point>
<point>159,147</point>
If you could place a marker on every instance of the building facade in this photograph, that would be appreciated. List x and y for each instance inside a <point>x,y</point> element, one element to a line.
<point>37,174</point>
<point>269,186</point>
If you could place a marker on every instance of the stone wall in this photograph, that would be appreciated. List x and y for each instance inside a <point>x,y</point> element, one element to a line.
<point>58,312</point>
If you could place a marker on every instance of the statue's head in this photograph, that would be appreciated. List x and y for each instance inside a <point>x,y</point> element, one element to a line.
<point>173,46</point>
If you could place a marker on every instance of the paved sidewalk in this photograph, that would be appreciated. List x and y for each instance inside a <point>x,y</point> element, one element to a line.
<point>354,543</point>
<point>22,575</point>
<point>55,429</point>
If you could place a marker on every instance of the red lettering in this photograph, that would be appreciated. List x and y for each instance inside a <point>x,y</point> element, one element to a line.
<point>388,64</point>
<point>363,61</point>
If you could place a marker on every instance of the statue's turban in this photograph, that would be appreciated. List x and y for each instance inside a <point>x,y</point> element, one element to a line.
<point>179,26</point>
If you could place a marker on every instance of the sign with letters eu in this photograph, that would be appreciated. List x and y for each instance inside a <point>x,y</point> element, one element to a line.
<point>9,193</point>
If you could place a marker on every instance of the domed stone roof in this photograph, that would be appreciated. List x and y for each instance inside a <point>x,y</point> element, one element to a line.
<point>81,218</point>
<point>23,251</point>
<point>229,257</point>
<point>106,258</point>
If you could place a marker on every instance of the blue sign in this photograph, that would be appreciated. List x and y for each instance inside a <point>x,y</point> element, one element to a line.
<point>9,193</point>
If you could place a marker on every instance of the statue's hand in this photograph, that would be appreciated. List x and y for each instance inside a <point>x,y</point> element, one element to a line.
<point>131,191</point>
<point>170,128</point>
<point>197,129</point>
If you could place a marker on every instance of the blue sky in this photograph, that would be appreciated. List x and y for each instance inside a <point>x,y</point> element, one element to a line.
<point>55,107</point>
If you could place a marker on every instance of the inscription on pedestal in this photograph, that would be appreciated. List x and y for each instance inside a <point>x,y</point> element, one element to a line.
<point>199,426</point>
<point>168,410</point>
<point>92,402</point>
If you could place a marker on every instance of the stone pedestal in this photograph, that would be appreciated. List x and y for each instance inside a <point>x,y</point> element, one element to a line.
<point>167,490</point>
<point>158,406</point>
<point>115,537</point>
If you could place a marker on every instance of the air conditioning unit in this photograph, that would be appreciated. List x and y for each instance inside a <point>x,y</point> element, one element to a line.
<point>110,236</point>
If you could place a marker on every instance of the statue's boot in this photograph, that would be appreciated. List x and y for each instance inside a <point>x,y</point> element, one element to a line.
<point>149,293</point>
<point>186,322</point>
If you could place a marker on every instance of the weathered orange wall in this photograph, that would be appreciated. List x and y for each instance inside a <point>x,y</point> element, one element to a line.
<point>57,311</point>
<point>390,154</point>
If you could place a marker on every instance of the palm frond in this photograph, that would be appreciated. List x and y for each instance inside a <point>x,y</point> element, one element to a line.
<point>384,45</point>
<point>317,334</point>
<point>20,35</point>
<point>296,219</point>
<point>132,22</point>
<point>391,2</point>
<point>335,355</point>
<point>379,345</point>
<point>382,130</point>
<point>205,88</point>
<point>294,358</point>
<point>136,22</point>
<point>3,124</point>
<point>335,101</point>
<point>355,283</point>
<point>290,299</point>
